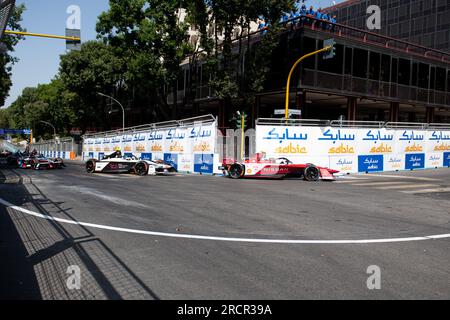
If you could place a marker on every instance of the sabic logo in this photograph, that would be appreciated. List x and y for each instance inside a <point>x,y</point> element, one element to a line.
<point>374,20</point>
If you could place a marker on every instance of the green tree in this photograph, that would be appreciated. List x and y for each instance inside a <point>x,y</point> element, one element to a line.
<point>225,57</point>
<point>149,39</point>
<point>95,68</point>
<point>7,60</point>
<point>48,102</point>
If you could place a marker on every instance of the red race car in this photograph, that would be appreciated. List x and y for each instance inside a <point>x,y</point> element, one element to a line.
<point>259,167</point>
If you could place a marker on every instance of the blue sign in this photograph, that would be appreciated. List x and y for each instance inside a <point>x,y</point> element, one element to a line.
<point>446,159</point>
<point>204,163</point>
<point>128,155</point>
<point>172,159</point>
<point>370,163</point>
<point>146,156</point>
<point>15,131</point>
<point>101,155</point>
<point>91,155</point>
<point>415,161</point>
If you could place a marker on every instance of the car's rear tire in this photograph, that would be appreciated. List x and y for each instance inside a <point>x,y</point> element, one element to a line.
<point>236,171</point>
<point>312,173</point>
<point>90,166</point>
<point>141,169</point>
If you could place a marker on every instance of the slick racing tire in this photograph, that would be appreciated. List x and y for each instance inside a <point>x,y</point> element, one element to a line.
<point>236,171</point>
<point>60,162</point>
<point>141,169</point>
<point>90,166</point>
<point>312,173</point>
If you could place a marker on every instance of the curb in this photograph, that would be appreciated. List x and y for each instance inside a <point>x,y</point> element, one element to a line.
<point>7,176</point>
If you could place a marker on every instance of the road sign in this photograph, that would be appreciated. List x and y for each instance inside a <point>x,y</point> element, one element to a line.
<point>73,44</point>
<point>292,112</point>
<point>76,132</point>
<point>330,54</point>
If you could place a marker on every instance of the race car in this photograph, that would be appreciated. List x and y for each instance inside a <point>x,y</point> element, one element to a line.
<point>39,162</point>
<point>129,165</point>
<point>259,167</point>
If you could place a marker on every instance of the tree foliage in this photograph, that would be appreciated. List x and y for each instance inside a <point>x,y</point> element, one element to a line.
<point>141,45</point>
<point>7,60</point>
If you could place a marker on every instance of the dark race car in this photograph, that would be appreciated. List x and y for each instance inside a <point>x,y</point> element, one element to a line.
<point>258,167</point>
<point>39,162</point>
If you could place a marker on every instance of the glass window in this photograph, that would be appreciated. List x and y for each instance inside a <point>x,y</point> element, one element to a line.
<point>348,60</point>
<point>424,75</point>
<point>433,78</point>
<point>360,58</point>
<point>415,70</point>
<point>448,81</point>
<point>374,66</point>
<point>335,64</point>
<point>440,79</point>
<point>309,45</point>
<point>385,68</point>
<point>394,70</point>
<point>404,71</point>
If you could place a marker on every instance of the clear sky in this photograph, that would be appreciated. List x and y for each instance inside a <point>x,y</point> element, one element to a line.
<point>39,57</point>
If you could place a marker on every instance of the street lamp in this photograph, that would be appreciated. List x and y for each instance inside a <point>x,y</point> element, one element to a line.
<point>54,131</point>
<point>123,109</point>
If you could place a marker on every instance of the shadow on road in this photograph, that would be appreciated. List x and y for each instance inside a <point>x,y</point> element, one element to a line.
<point>36,254</point>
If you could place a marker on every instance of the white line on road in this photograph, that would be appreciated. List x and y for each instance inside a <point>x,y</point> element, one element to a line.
<point>375,184</point>
<point>408,186</point>
<point>224,239</point>
<point>400,177</point>
<point>435,190</point>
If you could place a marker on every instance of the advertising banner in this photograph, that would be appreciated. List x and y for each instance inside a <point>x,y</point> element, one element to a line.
<point>189,148</point>
<point>352,150</point>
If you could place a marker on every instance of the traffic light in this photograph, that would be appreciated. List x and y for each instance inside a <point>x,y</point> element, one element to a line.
<point>241,120</point>
<point>330,54</point>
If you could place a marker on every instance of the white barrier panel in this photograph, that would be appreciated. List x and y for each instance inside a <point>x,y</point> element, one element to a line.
<point>352,150</point>
<point>190,148</point>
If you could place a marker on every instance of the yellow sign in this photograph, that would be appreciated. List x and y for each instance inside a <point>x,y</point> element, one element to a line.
<point>140,148</point>
<point>291,149</point>
<point>381,149</point>
<point>157,148</point>
<point>442,147</point>
<point>176,147</point>
<point>414,148</point>
<point>202,147</point>
<point>341,149</point>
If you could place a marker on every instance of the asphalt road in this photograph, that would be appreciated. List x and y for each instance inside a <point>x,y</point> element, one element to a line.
<point>177,264</point>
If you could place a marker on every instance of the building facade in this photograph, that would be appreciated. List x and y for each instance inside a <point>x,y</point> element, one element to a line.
<point>423,22</point>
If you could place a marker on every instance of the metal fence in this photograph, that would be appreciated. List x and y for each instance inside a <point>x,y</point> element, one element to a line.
<point>62,148</point>
<point>351,124</point>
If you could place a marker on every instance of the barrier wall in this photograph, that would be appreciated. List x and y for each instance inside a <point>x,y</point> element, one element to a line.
<point>189,145</point>
<point>59,148</point>
<point>353,150</point>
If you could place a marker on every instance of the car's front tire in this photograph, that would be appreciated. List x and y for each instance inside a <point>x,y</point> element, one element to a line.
<point>236,171</point>
<point>141,169</point>
<point>312,173</point>
<point>90,166</point>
